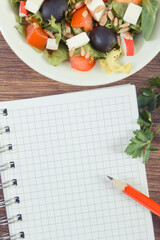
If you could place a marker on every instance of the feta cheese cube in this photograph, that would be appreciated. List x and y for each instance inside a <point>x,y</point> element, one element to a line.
<point>51,44</point>
<point>23,12</point>
<point>33,5</point>
<point>132,13</point>
<point>95,4</point>
<point>77,41</point>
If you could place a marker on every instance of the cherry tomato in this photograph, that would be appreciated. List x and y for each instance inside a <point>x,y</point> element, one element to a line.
<point>36,36</point>
<point>128,1</point>
<point>81,63</point>
<point>80,20</point>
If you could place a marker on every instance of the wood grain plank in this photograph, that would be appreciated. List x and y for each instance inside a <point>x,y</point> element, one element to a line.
<point>18,81</point>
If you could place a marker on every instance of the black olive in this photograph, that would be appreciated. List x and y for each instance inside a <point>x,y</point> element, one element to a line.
<point>103,38</point>
<point>55,8</point>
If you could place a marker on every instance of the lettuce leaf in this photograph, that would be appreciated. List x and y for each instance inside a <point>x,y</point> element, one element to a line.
<point>149,11</point>
<point>38,16</point>
<point>57,57</point>
<point>20,20</point>
<point>56,27</point>
<point>93,52</point>
<point>110,25</point>
<point>119,8</point>
<point>110,64</point>
<point>15,7</point>
<point>136,28</point>
<point>20,28</point>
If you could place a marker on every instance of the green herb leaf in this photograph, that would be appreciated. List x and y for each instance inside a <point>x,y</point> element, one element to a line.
<point>152,148</point>
<point>141,145</point>
<point>146,154</point>
<point>148,98</point>
<point>158,101</point>
<point>147,91</point>
<point>135,148</point>
<point>142,138</point>
<point>144,119</point>
<point>154,81</point>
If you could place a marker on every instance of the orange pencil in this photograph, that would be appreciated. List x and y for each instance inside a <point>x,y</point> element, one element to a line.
<point>137,196</point>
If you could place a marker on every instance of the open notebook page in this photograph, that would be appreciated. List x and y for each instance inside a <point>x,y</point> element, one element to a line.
<point>63,146</point>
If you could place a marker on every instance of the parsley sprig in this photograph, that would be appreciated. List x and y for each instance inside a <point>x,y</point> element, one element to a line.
<point>141,144</point>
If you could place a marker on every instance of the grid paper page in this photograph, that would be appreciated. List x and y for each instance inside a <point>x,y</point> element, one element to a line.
<point>63,146</point>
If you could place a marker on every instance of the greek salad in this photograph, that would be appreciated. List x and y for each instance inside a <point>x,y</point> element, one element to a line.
<point>84,32</point>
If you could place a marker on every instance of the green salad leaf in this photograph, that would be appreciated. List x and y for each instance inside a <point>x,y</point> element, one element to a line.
<point>18,1</point>
<point>136,28</point>
<point>110,25</point>
<point>38,16</point>
<point>149,11</point>
<point>20,20</point>
<point>20,29</point>
<point>76,30</point>
<point>15,6</point>
<point>119,8</point>
<point>56,27</point>
<point>59,56</point>
<point>93,52</point>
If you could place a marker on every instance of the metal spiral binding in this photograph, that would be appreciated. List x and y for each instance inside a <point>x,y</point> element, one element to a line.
<point>6,221</point>
<point>6,166</point>
<point>5,130</point>
<point>4,203</point>
<point>8,184</point>
<point>7,236</point>
<point>6,148</point>
<point>3,112</point>
<point>11,201</point>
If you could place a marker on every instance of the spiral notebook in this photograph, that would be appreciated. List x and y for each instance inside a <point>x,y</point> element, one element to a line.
<point>55,153</point>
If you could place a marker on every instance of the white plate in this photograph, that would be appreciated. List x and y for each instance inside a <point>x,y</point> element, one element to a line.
<point>144,53</point>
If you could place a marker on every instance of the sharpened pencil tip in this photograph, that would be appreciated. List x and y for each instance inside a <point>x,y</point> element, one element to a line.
<point>110,178</point>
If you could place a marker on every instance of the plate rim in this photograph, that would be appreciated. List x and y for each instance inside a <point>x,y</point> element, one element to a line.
<point>19,54</point>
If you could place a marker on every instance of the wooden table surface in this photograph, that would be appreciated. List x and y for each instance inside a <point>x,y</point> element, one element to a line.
<point>18,81</point>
